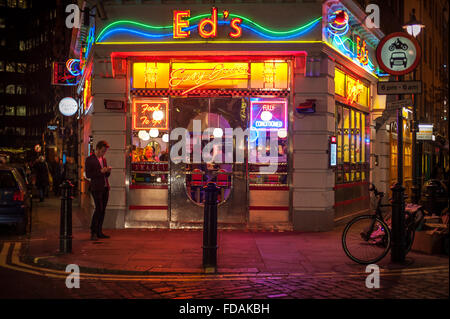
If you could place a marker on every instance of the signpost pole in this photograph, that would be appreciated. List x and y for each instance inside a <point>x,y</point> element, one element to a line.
<point>415,198</point>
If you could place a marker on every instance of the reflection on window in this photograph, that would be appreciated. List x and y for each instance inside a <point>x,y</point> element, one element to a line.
<point>352,144</point>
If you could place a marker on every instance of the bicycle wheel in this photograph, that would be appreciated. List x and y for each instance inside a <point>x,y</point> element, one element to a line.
<point>366,239</point>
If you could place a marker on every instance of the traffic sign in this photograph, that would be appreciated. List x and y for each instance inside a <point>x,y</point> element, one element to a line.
<point>399,104</point>
<point>399,87</point>
<point>398,53</point>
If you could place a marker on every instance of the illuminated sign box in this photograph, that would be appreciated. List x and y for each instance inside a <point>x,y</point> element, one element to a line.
<point>62,76</point>
<point>189,76</point>
<point>150,113</point>
<point>425,132</point>
<point>268,114</point>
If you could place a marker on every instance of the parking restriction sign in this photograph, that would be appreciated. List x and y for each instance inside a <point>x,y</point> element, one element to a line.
<point>398,53</point>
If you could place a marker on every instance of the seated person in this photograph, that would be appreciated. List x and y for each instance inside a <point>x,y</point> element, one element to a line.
<point>150,154</point>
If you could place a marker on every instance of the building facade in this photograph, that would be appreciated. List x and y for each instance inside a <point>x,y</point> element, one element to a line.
<point>304,72</point>
<point>32,37</point>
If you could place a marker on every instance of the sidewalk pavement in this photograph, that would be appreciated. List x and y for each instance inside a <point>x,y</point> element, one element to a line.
<point>157,251</point>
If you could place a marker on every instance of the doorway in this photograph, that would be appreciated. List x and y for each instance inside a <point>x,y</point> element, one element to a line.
<point>191,175</point>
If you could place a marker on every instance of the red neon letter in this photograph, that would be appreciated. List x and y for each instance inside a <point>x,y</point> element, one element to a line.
<point>212,22</point>
<point>235,25</point>
<point>178,23</point>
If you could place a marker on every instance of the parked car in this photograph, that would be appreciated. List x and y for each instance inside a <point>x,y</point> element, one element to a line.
<point>15,199</point>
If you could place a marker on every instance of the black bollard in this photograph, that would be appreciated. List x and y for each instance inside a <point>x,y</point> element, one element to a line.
<point>398,224</point>
<point>210,229</point>
<point>65,230</point>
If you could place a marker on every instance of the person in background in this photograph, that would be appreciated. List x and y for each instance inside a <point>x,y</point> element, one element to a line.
<point>56,169</point>
<point>98,172</point>
<point>41,176</point>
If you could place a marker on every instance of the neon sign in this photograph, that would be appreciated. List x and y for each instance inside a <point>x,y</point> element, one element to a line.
<point>150,113</point>
<point>189,76</point>
<point>195,78</point>
<point>268,114</point>
<point>353,91</point>
<point>362,54</point>
<point>339,36</point>
<point>207,27</point>
<point>61,75</point>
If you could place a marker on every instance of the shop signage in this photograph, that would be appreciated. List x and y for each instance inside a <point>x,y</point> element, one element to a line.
<point>150,113</point>
<point>213,24</point>
<point>398,104</point>
<point>354,90</point>
<point>399,87</point>
<point>198,75</point>
<point>62,76</point>
<point>362,54</point>
<point>268,114</point>
<point>340,34</point>
<point>189,76</point>
<point>68,106</point>
<point>398,53</point>
<point>207,27</point>
<point>425,132</point>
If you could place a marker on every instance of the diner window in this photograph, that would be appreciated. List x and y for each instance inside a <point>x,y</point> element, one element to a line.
<point>352,144</point>
<point>260,142</point>
<point>2,66</point>
<point>12,3</point>
<point>2,23</point>
<point>22,45</point>
<point>355,91</point>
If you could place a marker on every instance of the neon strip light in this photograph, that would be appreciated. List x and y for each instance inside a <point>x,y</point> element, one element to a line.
<point>218,41</point>
<point>258,29</point>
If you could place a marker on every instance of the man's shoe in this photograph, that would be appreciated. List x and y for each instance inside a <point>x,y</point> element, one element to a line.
<point>101,235</point>
<point>94,237</point>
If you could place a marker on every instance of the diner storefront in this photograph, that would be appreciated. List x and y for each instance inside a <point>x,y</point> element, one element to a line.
<point>190,94</point>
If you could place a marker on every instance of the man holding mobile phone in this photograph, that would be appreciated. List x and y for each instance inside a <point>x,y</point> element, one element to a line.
<point>98,172</point>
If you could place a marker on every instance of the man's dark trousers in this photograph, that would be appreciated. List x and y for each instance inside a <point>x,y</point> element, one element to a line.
<point>100,200</point>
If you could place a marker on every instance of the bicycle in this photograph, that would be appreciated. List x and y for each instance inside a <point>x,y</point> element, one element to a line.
<point>366,239</point>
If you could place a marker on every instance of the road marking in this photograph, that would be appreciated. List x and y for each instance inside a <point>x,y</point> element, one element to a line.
<point>17,265</point>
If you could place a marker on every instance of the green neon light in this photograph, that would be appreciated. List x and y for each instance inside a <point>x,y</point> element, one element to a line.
<point>198,17</point>
<point>273,31</point>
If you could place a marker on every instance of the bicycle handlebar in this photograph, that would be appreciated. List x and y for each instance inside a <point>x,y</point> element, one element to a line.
<point>373,189</point>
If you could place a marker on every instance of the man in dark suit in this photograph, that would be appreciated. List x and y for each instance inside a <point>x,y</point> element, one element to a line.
<point>98,172</point>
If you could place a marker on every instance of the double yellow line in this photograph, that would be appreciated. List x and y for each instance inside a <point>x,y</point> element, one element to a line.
<point>17,265</point>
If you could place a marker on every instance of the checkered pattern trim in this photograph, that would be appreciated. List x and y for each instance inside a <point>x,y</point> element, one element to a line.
<point>212,92</point>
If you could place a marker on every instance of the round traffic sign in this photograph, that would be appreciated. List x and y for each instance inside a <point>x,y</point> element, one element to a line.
<point>398,53</point>
<point>68,106</point>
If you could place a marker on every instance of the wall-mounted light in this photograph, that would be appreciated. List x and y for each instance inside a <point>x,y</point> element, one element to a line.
<point>154,132</point>
<point>143,135</point>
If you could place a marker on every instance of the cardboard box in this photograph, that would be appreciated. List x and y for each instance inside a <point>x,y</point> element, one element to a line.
<point>428,242</point>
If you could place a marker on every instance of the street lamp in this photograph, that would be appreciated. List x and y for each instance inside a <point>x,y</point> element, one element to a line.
<point>413,27</point>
